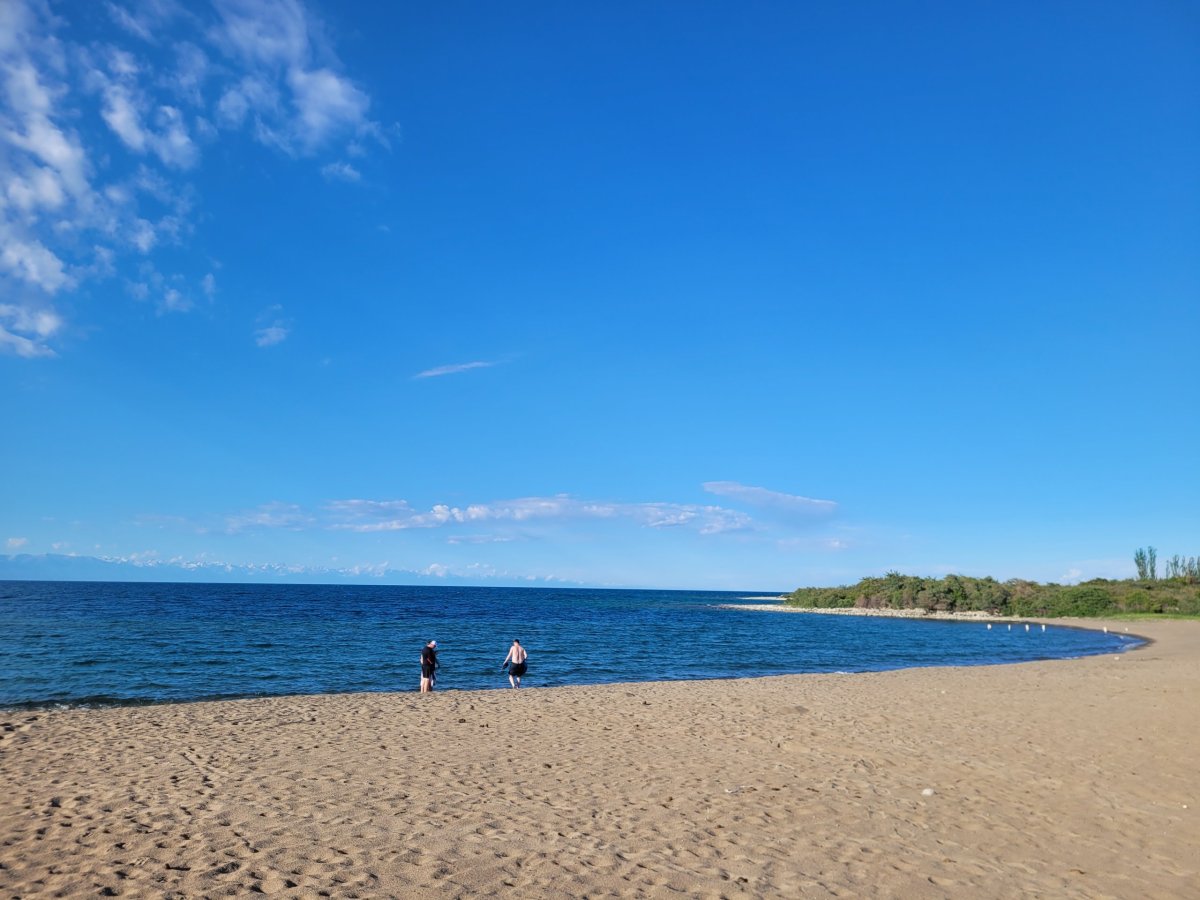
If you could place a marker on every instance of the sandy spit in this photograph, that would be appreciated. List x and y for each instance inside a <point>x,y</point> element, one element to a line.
<point>882,613</point>
<point>1073,778</point>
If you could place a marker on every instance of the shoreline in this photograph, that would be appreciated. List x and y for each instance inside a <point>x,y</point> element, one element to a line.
<point>1065,778</point>
<point>59,706</point>
<point>885,613</point>
<point>1104,623</point>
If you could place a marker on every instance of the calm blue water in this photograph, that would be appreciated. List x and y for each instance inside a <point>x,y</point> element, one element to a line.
<point>93,643</point>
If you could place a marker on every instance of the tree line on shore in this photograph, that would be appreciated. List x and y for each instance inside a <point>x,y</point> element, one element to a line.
<point>1145,560</point>
<point>1178,592</point>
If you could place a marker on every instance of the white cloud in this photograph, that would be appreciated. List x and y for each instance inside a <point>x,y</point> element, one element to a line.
<point>208,284</point>
<point>454,369</point>
<point>481,539</point>
<point>173,145</point>
<point>22,346</point>
<point>44,188</point>
<point>102,262</point>
<point>174,301</point>
<point>16,543</point>
<point>775,501</point>
<point>30,261</point>
<point>250,94</point>
<point>70,106</point>
<point>121,63</point>
<point>130,22</point>
<point>270,515</point>
<point>169,293</point>
<point>192,68</point>
<point>369,508</point>
<point>122,116</point>
<point>40,323</point>
<point>268,32</point>
<point>326,103</point>
<point>341,171</point>
<point>396,515</point>
<point>38,188</point>
<point>275,41</point>
<point>270,336</point>
<point>27,122</point>
<point>143,236</point>
<point>125,107</point>
<point>147,19</point>
<point>273,328</point>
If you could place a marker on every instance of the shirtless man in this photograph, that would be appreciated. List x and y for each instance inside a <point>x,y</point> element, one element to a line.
<point>429,665</point>
<point>516,663</point>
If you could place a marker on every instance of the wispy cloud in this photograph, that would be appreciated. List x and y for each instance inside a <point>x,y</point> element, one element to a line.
<point>294,102</point>
<point>481,539</point>
<point>397,515</point>
<point>775,501</point>
<point>341,171</point>
<point>270,515</point>
<point>453,369</point>
<point>492,522</point>
<point>273,328</point>
<point>147,20</point>
<point>71,210</point>
<point>23,330</point>
<point>144,124</point>
<point>132,23</point>
<point>16,543</point>
<point>270,336</point>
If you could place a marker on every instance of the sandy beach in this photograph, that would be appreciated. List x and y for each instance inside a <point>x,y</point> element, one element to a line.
<point>1074,778</point>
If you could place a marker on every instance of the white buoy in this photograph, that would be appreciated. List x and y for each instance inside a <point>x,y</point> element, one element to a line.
<point>1026,626</point>
<point>1106,629</point>
<point>1010,628</point>
<point>1043,628</point>
<point>989,626</point>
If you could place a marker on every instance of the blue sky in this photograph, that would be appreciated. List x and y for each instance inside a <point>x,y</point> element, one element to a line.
<point>695,295</point>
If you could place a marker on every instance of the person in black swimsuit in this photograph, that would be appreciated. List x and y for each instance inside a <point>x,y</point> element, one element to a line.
<point>429,665</point>
<point>516,662</point>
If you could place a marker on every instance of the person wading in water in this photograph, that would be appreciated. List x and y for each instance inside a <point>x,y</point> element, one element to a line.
<point>516,663</point>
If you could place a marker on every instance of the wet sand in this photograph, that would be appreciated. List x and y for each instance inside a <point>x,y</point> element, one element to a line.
<point>1074,778</point>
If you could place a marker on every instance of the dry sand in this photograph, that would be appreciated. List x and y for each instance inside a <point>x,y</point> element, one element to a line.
<point>1073,778</point>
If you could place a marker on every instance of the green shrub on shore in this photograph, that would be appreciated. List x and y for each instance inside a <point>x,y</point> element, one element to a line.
<point>960,593</point>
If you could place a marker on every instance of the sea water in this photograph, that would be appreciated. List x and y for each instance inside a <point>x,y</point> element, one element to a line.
<point>84,643</point>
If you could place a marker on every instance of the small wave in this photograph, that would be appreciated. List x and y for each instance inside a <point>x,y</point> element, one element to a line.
<point>94,701</point>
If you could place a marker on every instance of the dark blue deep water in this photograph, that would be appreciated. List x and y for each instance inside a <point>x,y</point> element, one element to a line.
<point>81,643</point>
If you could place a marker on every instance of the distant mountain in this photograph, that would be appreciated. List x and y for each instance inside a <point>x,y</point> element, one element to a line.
<point>60,567</point>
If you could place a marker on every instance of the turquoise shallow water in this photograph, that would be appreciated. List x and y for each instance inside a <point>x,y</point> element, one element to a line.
<point>82,643</point>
